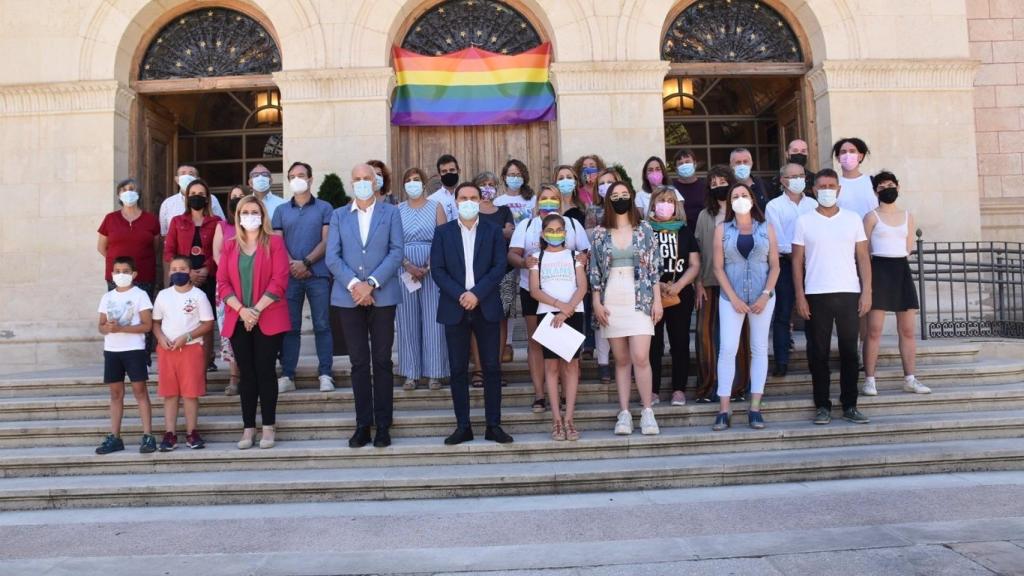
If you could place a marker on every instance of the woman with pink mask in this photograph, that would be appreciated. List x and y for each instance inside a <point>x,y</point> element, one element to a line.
<point>858,195</point>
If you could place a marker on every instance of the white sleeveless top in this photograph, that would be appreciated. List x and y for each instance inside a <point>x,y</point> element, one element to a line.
<point>889,241</point>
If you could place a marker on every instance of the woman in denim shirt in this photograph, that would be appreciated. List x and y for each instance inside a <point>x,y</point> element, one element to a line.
<point>624,271</point>
<point>746,265</point>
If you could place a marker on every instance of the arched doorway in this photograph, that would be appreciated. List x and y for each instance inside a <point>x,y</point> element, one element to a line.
<point>495,26</point>
<point>737,79</point>
<point>206,97</point>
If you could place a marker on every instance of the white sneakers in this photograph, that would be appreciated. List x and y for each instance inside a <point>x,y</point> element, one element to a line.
<point>911,384</point>
<point>624,426</point>
<point>326,383</point>
<point>868,387</point>
<point>648,425</point>
<point>285,384</point>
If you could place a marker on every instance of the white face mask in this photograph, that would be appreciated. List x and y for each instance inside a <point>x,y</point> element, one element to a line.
<point>298,185</point>
<point>129,197</point>
<point>414,189</point>
<point>184,180</point>
<point>251,222</point>
<point>742,205</point>
<point>828,197</point>
<point>121,280</point>
<point>797,185</point>
<point>261,183</point>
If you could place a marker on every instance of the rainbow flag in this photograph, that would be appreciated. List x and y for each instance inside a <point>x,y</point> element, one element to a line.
<point>472,87</point>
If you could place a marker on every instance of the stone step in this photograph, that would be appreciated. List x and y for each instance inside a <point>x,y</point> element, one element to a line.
<point>339,423</point>
<point>508,479</point>
<point>89,382</point>
<point>534,447</point>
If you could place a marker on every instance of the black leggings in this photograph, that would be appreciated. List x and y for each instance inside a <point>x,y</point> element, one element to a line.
<point>256,355</point>
<point>675,320</point>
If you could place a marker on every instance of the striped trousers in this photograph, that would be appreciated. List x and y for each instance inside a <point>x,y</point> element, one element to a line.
<point>422,352</point>
<point>707,349</point>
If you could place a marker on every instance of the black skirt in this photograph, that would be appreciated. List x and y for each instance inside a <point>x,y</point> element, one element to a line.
<point>892,286</point>
<point>576,322</point>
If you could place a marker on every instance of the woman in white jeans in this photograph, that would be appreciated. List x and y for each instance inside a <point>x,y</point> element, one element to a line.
<point>746,262</point>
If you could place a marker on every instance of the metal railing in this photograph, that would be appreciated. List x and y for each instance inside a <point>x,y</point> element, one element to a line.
<point>969,289</point>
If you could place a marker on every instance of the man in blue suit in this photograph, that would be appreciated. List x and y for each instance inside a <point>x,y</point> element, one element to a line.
<point>467,261</point>
<point>364,254</point>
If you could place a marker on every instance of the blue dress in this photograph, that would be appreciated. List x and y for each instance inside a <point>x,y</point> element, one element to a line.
<point>422,352</point>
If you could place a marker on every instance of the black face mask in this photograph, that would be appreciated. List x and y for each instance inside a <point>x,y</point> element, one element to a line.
<point>720,192</point>
<point>233,206</point>
<point>800,159</point>
<point>888,195</point>
<point>197,202</point>
<point>621,205</point>
<point>450,179</point>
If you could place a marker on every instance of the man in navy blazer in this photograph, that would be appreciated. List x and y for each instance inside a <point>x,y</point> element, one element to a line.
<point>364,254</point>
<point>467,261</point>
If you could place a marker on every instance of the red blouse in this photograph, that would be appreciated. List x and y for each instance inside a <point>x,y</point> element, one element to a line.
<point>133,239</point>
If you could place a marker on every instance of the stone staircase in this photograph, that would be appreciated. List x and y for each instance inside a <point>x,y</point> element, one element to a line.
<point>973,420</point>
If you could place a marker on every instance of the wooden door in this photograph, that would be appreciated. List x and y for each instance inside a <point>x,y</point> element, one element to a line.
<point>478,148</point>
<point>156,154</point>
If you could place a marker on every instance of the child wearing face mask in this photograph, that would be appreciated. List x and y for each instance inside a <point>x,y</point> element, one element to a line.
<point>558,283</point>
<point>182,315</point>
<point>125,318</point>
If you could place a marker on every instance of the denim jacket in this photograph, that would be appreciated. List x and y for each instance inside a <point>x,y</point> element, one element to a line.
<point>747,276</point>
<point>645,274</point>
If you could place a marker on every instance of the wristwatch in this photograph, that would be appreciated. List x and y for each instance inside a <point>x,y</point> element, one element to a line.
<point>307,263</point>
<point>768,293</point>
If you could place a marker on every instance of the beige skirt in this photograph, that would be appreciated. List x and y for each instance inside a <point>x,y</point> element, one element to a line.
<point>620,300</point>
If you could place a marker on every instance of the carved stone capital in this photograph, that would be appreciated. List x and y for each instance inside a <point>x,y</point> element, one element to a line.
<point>892,76</point>
<point>66,98</point>
<point>645,76</point>
<point>335,84</point>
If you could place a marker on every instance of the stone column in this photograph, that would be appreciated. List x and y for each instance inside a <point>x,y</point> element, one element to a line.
<point>63,145</point>
<point>335,118</point>
<point>612,109</point>
<point>917,116</point>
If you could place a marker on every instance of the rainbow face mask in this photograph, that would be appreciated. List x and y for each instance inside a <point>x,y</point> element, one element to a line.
<point>548,206</point>
<point>554,238</point>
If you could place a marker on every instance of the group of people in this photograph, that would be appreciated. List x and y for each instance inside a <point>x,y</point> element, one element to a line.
<point>584,252</point>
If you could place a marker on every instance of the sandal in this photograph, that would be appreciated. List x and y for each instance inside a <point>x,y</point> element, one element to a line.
<point>478,379</point>
<point>540,405</point>
<point>570,431</point>
<point>232,388</point>
<point>507,354</point>
<point>557,431</point>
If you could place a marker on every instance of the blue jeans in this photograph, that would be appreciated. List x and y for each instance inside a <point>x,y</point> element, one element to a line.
<point>318,290</point>
<point>785,300</point>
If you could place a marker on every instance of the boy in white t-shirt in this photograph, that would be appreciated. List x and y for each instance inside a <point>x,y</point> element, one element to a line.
<point>125,318</point>
<point>558,282</point>
<point>181,317</point>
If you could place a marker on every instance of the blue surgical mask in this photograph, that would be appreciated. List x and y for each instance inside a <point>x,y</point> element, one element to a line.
<point>742,171</point>
<point>686,170</point>
<point>261,183</point>
<point>797,185</point>
<point>828,197</point>
<point>363,189</point>
<point>566,186</point>
<point>184,180</point>
<point>179,278</point>
<point>129,197</point>
<point>380,183</point>
<point>468,209</point>
<point>514,182</point>
<point>414,189</point>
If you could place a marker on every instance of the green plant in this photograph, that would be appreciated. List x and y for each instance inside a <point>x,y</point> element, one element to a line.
<point>332,190</point>
<point>623,175</point>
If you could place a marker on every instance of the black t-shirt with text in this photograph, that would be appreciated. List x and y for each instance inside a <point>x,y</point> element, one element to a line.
<point>675,249</point>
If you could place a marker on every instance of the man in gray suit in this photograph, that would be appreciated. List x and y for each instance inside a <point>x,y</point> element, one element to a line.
<point>364,255</point>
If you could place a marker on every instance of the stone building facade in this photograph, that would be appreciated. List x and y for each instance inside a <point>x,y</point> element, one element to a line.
<point>935,87</point>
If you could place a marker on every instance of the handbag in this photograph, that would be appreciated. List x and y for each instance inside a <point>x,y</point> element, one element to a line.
<point>668,300</point>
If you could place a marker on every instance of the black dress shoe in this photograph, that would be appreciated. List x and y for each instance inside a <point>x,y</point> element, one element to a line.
<point>360,438</point>
<point>780,370</point>
<point>496,434</point>
<point>383,437</point>
<point>459,436</point>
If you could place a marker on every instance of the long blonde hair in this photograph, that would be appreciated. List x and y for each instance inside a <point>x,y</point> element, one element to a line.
<point>264,233</point>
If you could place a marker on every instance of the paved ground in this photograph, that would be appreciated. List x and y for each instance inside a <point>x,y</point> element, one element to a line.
<point>955,524</point>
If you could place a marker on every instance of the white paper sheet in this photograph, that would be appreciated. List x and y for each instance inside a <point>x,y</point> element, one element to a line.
<point>411,284</point>
<point>564,341</point>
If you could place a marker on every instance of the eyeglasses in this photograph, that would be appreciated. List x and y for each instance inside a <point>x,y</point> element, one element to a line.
<point>255,174</point>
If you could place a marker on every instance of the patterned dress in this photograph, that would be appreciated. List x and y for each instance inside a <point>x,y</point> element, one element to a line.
<point>422,351</point>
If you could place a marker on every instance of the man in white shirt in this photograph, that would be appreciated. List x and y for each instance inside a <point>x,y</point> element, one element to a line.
<point>832,243</point>
<point>175,205</point>
<point>259,182</point>
<point>448,170</point>
<point>782,213</point>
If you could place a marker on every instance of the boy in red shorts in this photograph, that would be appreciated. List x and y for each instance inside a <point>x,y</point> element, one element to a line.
<point>181,316</point>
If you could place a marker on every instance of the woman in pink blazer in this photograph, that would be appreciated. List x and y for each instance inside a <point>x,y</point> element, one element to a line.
<point>252,280</point>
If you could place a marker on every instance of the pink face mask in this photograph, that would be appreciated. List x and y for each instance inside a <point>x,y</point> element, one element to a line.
<point>664,210</point>
<point>655,178</point>
<point>849,160</point>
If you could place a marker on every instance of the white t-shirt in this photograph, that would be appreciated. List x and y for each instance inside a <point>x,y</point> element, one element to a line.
<point>124,308</point>
<point>181,312</point>
<point>521,209</point>
<point>175,206</point>
<point>447,201</point>
<point>857,195</point>
<point>558,279</point>
<point>643,201</point>
<point>527,237</point>
<point>830,251</point>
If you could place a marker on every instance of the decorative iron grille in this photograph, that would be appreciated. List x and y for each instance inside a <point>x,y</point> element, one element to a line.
<point>457,24</point>
<point>730,31</point>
